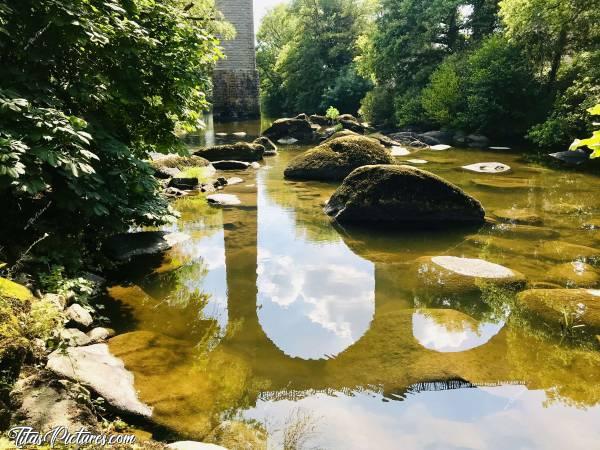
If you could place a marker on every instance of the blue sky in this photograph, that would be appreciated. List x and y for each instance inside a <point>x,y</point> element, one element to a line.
<point>260,9</point>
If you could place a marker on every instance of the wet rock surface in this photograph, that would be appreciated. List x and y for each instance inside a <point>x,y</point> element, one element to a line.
<point>402,195</point>
<point>123,247</point>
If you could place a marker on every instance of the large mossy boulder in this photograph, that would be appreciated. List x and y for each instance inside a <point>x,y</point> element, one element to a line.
<point>561,307</point>
<point>454,275</point>
<point>241,151</point>
<point>402,196</point>
<point>336,159</point>
<point>298,128</point>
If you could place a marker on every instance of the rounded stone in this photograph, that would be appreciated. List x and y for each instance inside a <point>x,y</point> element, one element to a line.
<point>336,159</point>
<point>402,195</point>
<point>223,200</point>
<point>241,151</point>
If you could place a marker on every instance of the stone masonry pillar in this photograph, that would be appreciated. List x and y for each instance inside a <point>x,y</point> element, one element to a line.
<point>235,79</point>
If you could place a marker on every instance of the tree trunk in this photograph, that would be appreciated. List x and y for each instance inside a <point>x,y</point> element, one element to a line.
<point>559,51</point>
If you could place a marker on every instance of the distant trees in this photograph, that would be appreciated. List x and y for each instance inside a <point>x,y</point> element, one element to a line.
<point>508,68</point>
<point>306,54</point>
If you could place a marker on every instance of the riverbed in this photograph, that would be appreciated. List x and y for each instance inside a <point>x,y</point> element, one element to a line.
<point>273,316</point>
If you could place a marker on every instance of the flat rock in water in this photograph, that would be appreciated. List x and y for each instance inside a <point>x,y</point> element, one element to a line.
<point>500,148</point>
<point>298,128</point>
<point>402,196</point>
<point>551,305</point>
<point>565,251</point>
<point>417,161</point>
<point>240,134</point>
<point>575,274</point>
<point>221,134</point>
<point>233,181</point>
<point>525,231</point>
<point>477,268</point>
<point>193,445</point>
<point>518,216</point>
<point>504,183</point>
<point>223,200</point>
<point>230,165</point>
<point>335,160</point>
<point>400,151</point>
<point>488,167</point>
<point>97,369</point>
<point>440,147</point>
<point>287,141</point>
<point>123,247</point>
<point>458,275</point>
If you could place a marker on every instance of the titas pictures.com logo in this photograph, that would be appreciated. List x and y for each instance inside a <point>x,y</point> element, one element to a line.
<point>27,437</point>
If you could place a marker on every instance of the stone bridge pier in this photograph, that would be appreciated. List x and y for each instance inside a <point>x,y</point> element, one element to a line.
<point>235,79</point>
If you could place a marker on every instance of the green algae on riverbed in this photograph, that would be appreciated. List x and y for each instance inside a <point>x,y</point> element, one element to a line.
<point>270,309</point>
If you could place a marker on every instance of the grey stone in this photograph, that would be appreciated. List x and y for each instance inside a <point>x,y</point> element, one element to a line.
<point>78,316</point>
<point>266,143</point>
<point>44,403</point>
<point>97,369</point>
<point>74,337</point>
<point>223,200</point>
<point>100,334</point>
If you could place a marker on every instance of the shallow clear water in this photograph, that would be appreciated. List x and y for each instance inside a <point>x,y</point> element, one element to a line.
<point>272,315</point>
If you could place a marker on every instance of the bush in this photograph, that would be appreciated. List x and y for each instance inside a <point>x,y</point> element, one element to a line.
<point>332,113</point>
<point>346,91</point>
<point>89,89</point>
<point>579,90</point>
<point>443,98</point>
<point>378,107</point>
<point>490,90</point>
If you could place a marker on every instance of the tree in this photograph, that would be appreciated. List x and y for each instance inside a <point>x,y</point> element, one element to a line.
<point>315,66</point>
<point>88,90</point>
<point>550,30</point>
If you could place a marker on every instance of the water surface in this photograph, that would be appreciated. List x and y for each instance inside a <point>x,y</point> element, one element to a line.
<point>273,316</point>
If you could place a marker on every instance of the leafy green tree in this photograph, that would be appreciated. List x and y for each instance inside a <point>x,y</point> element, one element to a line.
<point>312,67</point>
<point>88,90</point>
<point>593,143</point>
<point>551,30</point>
<point>578,89</point>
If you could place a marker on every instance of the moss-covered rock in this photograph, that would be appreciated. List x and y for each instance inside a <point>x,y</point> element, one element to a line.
<point>453,275</point>
<point>336,159</point>
<point>559,307</point>
<point>13,290</point>
<point>575,274</point>
<point>268,144</point>
<point>402,195</point>
<point>179,162</point>
<point>241,151</point>
<point>340,134</point>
